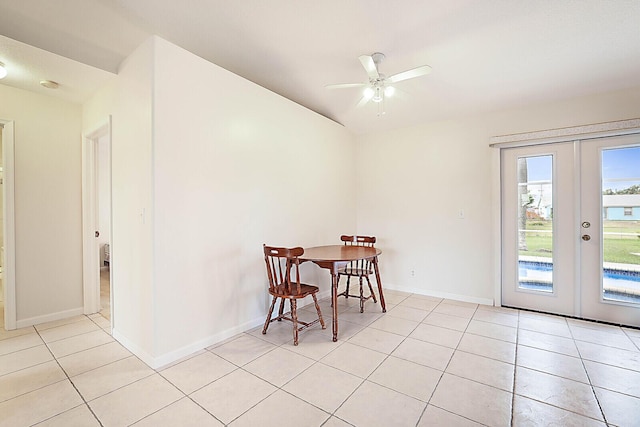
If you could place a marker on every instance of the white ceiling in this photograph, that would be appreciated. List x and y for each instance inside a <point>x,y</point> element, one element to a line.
<point>486,55</point>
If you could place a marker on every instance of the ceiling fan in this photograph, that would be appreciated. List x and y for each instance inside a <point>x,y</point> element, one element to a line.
<point>380,86</point>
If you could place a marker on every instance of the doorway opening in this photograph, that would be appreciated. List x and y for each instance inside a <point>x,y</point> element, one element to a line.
<point>96,206</point>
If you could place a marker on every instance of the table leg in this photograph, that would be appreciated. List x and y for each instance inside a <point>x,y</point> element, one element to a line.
<point>377,271</point>
<point>334,302</point>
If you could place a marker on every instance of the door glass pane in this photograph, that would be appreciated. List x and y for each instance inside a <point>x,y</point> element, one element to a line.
<point>535,223</point>
<point>621,224</point>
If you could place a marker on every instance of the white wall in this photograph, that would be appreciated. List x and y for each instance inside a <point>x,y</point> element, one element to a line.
<point>235,166</point>
<point>415,180</point>
<point>47,204</point>
<point>129,100</point>
<point>220,166</point>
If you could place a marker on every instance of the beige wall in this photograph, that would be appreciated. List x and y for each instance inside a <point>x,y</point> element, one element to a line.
<point>47,204</point>
<point>417,179</point>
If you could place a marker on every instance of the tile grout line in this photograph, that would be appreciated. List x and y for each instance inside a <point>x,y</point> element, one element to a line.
<point>515,369</point>
<point>595,395</point>
<point>445,369</point>
<point>70,382</point>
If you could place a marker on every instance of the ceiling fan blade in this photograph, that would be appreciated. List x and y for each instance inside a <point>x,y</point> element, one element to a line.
<point>409,74</point>
<point>363,101</point>
<point>369,66</point>
<point>345,85</point>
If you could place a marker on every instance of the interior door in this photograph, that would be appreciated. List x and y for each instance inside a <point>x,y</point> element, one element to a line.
<point>610,229</point>
<point>538,228</point>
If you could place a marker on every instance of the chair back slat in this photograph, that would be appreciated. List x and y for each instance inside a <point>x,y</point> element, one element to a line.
<point>362,264</point>
<point>279,262</point>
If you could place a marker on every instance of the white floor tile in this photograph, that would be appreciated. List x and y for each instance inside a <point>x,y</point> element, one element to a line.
<point>436,417</point>
<point>552,363</point>
<point>613,378</point>
<point>133,402</point>
<point>492,330</point>
<point>469,399</point>
<point>406,377</point>
<point>482,369</point>
<point>373,405</point>
<point>619,409</point>
<point>528,412</point>
<point>198,371</point>
<point>424,353</point>
<point>447,321</point>
<point>279,366</point>
<point>557,391</point>
<point>30,379</point>
<point>105,379</point>
<point>39,405</point>
<point>183,413</point>
<point>232,395</point>
<point>378,340</point>
<point>24,359</point>
<point>77,343</point>
<point>281,409</point>
<point>86,360</point>
<point>323,386</point>
<point>437,335</point>
<point>79,416</point>
<point>354,359</point>
<point>21,342</point>
<point>488,347</point>
<point>69,330</point>
<point>243,349</point>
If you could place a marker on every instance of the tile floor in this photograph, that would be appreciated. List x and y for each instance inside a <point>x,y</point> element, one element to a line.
<point>425,362</point>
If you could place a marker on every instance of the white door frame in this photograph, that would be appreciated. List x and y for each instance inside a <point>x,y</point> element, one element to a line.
<point>8,199</point>
<point>90,254</point>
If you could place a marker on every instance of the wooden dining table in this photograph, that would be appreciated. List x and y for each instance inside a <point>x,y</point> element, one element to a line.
<point>334,257</point>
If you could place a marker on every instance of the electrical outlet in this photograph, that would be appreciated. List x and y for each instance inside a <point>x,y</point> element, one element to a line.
<point>412,273</point>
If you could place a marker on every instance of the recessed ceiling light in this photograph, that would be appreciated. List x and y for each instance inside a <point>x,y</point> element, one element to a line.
<point>3,71</point>
<point>49,84</point>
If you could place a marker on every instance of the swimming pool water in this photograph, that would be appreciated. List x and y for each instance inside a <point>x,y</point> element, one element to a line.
<point>619,285</point>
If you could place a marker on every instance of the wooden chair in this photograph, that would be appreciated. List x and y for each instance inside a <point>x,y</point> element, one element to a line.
<point>360,269</point>
<point>280,263</point>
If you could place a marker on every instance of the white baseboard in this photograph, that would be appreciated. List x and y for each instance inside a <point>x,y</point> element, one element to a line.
<point>129,345</point>
<point>22,323</point>
<point>168,358</point>
<point>440,294</point>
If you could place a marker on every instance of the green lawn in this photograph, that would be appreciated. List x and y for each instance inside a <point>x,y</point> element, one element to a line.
<point>617,248</point>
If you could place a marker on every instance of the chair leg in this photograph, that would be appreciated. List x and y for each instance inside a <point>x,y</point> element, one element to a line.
<point>315,301</point>
<point>346,292</point>
<point>281,309</point>
<point>266,323</point>
<point>373,295</point>
<point>361,297</point>
<point>294,317</point>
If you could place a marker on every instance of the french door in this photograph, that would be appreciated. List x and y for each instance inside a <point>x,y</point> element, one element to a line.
<point>571,228</point>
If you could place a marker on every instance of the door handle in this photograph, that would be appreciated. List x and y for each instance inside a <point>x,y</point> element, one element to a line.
<point>586,237</point>
<point>97,234</point>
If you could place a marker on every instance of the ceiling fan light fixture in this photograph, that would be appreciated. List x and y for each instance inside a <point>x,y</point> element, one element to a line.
<point>3,71</point>
<point>389,91</point>
<point>379,94</point>
<point>368,93</point>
